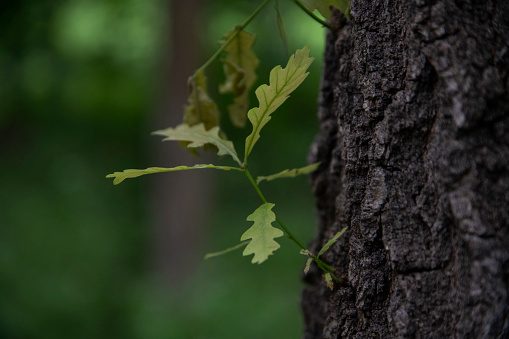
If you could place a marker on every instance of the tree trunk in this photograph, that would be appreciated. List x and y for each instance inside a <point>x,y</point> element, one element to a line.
<point>175,199</point>
<point>414,151</point>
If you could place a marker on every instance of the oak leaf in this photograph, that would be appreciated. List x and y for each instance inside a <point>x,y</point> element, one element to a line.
<point>282,82</point>
<point>289,173</point>
<point>239,66</point>
<point>118,177</point>
<point>198,136</point>
<point>200,107</point>
<point>262,234</point>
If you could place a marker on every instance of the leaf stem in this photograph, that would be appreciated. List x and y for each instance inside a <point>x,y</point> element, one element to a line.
<point>216,254</point>
<point>256,187</point>
<point>323,266</point>
<point>290,235</point>
<point>311,14</point>
<point>326,268</point>
<point>230,39</point>
<point>329,268</point>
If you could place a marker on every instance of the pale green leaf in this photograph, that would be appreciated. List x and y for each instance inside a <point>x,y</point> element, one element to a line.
<point>308,265</point>
<point>290,173</point>
<point>118,177</point>
<point>323,6</point>
<point>198,137</point>
<point>262,234</point>
<point>328,281</point>
<point>331,241</point>
<point>200,107</point>
<point>216,254</point>
<point>239,65</point>
<point>281,26</point>
<point>282,82</point>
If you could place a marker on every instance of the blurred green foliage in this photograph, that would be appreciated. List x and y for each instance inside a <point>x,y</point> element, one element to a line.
<point>79,89</point>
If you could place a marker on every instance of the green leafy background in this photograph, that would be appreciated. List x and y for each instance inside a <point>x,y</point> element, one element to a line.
<point>76,101</point>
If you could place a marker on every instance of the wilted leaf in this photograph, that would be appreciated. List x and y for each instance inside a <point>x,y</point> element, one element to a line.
<point>238,109</point>
<point>216,254</point>
<point>200,107</point>
<point>118,177</point>
<point>331,241</point>
<point>282,82</point>
<point>198,137</point>
<point>262,234</point>
<point>323,6</point>
<point>236,79</point>
<point>239,66</point>
<point>290,173</point>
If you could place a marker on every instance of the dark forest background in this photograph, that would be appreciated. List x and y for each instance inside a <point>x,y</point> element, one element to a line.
<point>82,88</point>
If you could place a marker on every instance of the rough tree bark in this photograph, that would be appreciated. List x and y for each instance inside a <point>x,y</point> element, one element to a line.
<point>414,146</point>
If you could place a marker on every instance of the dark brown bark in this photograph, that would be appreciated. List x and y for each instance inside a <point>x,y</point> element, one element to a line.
<point>414,146</point>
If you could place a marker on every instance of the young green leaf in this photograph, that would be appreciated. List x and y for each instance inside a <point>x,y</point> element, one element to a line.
<point>198,137</point>
<point>262,234</point>
<point>308,265</point>
<point>290,173</point>
<point>118,177</point>
<point>200,107</point>
<point>323,6</point>
<point>239,66</point>
<point>282,82</point>
<point>216,254</point>
<point>331,241</point>
<point>328,281</point>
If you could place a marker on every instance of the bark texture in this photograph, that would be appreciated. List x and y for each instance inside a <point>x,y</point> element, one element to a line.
<point>414,146</point>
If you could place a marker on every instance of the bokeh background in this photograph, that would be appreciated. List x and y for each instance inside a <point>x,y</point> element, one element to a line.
<point>84,82</point>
